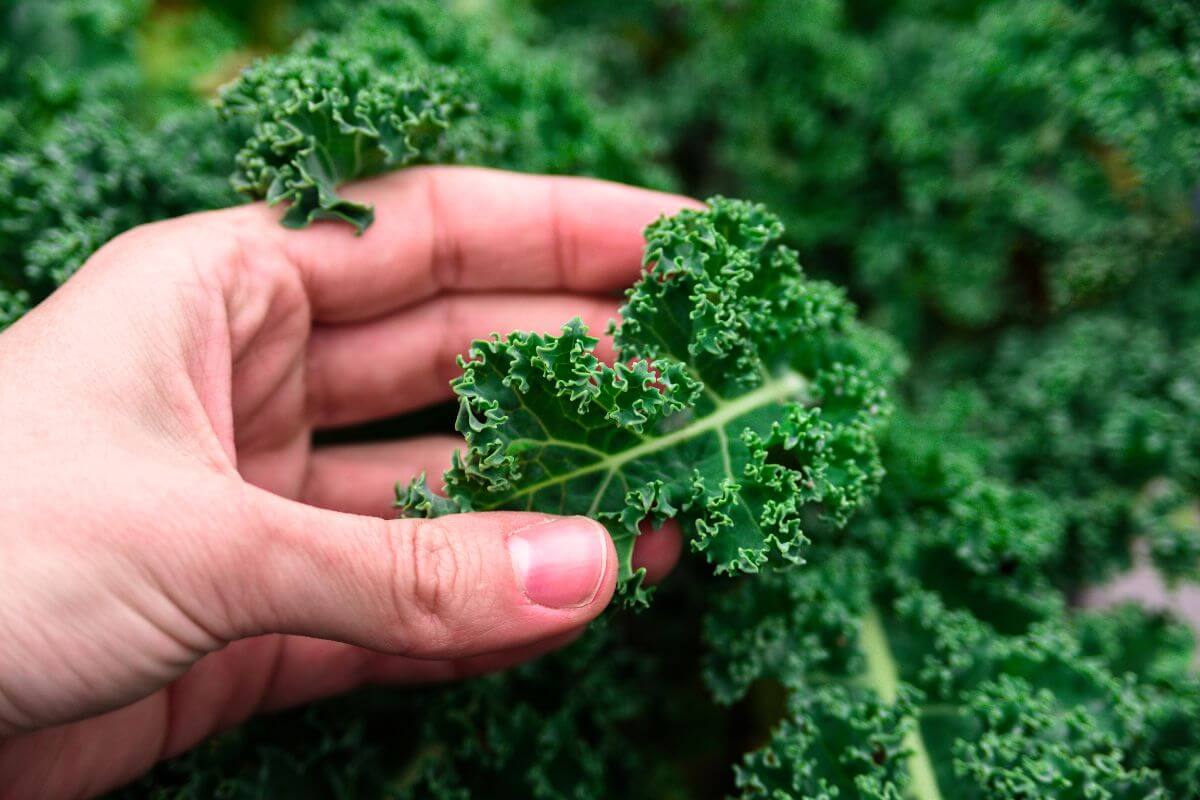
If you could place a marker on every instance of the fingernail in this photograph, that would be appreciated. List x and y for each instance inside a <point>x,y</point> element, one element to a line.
<point>560,563</point>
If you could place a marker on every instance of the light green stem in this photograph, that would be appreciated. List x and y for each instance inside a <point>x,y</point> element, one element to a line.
<point>785,387</point>
<point>884,678</point>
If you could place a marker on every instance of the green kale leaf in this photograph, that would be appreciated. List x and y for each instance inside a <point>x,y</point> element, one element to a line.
<point>320,120</point>
<point>745,397</point>
<point>405,82</point>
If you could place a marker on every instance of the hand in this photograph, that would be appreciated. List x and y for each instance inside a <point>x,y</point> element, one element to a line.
<point>175,556</point>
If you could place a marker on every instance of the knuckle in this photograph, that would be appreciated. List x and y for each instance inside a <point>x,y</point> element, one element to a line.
<point>564,251</point>
<point>434,571</point>
<point>446,259</point>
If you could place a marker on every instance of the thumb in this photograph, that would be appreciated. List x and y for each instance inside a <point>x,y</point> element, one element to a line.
<point>443,588</point>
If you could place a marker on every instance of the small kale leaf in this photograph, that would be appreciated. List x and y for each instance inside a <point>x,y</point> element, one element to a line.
<point>320,118</point>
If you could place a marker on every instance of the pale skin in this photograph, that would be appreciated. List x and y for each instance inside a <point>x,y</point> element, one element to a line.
<point>175,556</point>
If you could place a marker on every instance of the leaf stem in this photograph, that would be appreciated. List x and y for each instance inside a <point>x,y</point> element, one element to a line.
<point>884,677</point>
<point>780,389</point>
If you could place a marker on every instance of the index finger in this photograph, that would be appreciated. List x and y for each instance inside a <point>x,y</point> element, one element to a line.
<point>443,229</point>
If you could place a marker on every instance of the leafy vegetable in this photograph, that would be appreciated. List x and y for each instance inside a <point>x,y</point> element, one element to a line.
<point>321,120</point>
<point>1006,186</point>
<point>990,688</point>
<point>958,163</point>
<point>403,83</point>
<point>743,395</point>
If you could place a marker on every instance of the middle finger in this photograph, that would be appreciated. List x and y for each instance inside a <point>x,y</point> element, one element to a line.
<point>404,361</point>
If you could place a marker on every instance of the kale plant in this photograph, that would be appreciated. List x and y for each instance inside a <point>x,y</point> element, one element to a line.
<point>887,596</point>
<point>958,164</point>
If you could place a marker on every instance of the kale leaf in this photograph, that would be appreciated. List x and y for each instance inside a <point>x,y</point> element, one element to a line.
<point>744,396</point>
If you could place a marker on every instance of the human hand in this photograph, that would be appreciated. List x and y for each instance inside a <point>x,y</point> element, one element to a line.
<point>175,556</point>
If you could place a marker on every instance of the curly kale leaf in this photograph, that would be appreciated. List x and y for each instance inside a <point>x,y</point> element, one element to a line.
<point>556,728</point>
<point>744,396</point>
<point>320,120</point>
<point>961,163</point>
<point>790,627</point>
<point>1130,639</point>
<point>403,82</point>
<point>950,708</point>
<point>937,599</point>
<point>1113,440</point>
<point>1173,743</point>
<point>836,742</point>
<point>1029,745</point>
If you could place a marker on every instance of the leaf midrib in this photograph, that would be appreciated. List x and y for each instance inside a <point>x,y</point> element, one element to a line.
<point>787,384</point>
<point>883,675</point>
